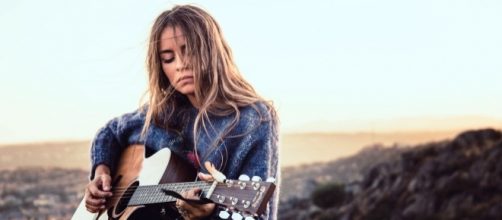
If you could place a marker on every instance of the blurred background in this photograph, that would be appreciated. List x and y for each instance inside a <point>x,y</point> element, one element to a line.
<point>375,98</point>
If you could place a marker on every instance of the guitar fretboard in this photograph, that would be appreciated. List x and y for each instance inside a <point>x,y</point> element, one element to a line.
<point>153,194</point>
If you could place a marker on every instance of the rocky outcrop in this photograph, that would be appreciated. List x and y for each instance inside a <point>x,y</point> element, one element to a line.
<point>459,179</point>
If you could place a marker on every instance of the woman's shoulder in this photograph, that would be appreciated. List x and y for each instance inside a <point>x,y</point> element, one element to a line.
<point>256,115</point>
<point>258,111</point>
<point>129,118</point>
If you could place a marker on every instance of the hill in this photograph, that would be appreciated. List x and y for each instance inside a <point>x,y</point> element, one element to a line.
<point>457,179</point>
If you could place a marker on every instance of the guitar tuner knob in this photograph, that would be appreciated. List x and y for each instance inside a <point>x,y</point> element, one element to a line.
<point>249,218</point>
<point>242,185</point>
<point>271,180</point>
<point>246,204</point>
<point>244,177</point>
<point>221,199</point>
<point>256,185</point>
<point>256,179</point>
<point>236,216</point>
<point>224,215</point>
<point>234,200</point>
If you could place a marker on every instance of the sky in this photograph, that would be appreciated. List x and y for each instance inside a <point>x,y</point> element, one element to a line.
<point>67,67</point>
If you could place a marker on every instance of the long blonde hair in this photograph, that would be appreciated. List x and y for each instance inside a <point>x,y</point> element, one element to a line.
<point>219,87</point>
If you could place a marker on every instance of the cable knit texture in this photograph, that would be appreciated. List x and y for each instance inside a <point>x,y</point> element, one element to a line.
<point>249,148</point>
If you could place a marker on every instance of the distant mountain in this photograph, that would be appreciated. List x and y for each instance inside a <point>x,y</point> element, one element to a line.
<point>70,154</point>
<point>403,124</point>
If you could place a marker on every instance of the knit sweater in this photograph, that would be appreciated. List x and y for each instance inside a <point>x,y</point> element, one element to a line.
<point>250,147</point>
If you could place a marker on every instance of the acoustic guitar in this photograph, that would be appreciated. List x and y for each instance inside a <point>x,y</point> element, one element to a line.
<point>145,188</point>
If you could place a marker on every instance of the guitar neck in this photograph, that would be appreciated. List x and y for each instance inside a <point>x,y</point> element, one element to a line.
<point>153,194</point>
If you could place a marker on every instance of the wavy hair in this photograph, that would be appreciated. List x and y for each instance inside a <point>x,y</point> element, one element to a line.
<point>220,89</point>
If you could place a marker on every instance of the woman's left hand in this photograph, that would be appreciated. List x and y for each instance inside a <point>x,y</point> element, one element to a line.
<point>193,211</point>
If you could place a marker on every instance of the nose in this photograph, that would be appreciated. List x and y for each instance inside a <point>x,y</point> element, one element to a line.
<point>180,64</point>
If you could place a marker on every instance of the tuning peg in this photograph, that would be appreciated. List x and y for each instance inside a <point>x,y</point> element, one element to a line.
<point>236,216</point>
<point>271,180</point>
<point>244,177</point>
<point>224,215</point>
<point>256,179</point>
<point>249,218</point>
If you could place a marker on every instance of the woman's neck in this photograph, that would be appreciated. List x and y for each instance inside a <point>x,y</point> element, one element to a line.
<point>193,100</point>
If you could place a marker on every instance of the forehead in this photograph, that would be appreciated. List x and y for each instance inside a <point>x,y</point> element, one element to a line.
<point>170,37</point>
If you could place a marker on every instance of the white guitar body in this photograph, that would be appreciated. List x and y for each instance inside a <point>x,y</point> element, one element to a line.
<point>133,167</point>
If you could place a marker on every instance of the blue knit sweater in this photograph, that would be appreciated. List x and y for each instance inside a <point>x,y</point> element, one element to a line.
<point>249,148</point>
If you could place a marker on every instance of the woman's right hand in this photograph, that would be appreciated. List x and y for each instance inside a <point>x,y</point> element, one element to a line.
<point>98,190</point>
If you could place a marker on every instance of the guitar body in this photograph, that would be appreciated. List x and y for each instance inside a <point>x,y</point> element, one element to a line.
<point>135,170</point>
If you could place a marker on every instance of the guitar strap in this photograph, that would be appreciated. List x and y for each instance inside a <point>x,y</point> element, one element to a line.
<point>174,194</point>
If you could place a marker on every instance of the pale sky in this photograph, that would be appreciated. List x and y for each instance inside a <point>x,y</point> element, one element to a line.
<point>67,67</point>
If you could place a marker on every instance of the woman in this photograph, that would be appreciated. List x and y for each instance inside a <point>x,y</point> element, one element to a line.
<point>199,106</point>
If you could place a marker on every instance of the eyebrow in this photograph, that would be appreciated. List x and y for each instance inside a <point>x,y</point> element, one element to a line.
<point>171,51</point>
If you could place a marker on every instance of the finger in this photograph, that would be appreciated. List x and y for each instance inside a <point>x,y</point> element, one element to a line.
<point>183,205</point>
<point>193,210</point>
<point>199,211</point>
<point>205,177</point>
<point>94,201</point>
<point>106,182</point>
<point>94,209</point>
<point>96,192</point>
<point>91,210</point>
<point>179,202</point>
<point>191,194</point>
<point>190,210</point>
<point>217,175</point>
<point>209,166</point>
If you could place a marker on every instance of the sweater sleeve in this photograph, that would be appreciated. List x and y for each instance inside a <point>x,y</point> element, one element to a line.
<point>111,139</point>
<point>262,160</point>
<point>253,151</point>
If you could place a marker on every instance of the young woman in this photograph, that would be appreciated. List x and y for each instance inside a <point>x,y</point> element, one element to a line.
<point>199,106</point>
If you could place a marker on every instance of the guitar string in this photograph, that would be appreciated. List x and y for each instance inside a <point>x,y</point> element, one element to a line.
<point>179,187</point>
<point>190,184</point>
<point>155,195</point>
<point>160,187</point>
<point>129,193</point>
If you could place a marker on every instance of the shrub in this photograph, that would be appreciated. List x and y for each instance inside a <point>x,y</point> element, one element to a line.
<point>329,195</point>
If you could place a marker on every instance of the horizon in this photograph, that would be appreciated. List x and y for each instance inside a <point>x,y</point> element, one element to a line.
<point>69,67</point>
<point>296,149</point>
<point>300,132</point>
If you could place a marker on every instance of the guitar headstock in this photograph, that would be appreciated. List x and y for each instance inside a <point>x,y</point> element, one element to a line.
<point>244,195</point>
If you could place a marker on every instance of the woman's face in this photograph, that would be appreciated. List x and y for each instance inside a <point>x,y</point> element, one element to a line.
<point>172,52</point>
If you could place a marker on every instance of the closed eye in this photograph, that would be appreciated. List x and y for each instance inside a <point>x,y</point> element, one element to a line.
<point>168,60</point>
<point>170,54</point>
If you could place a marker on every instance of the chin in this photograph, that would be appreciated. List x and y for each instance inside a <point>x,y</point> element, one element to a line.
<point>187,90</point>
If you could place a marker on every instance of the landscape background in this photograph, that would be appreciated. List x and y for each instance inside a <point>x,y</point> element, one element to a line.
<point>46,180</point>
<point>357,84</point>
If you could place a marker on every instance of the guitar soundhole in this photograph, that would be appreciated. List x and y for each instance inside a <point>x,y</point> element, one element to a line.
<point>124,199</point>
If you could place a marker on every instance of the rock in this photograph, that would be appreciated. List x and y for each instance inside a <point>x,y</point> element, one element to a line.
<point>460,179</point>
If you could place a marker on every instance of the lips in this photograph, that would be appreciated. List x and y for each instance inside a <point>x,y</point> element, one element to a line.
<point>185,79</point>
